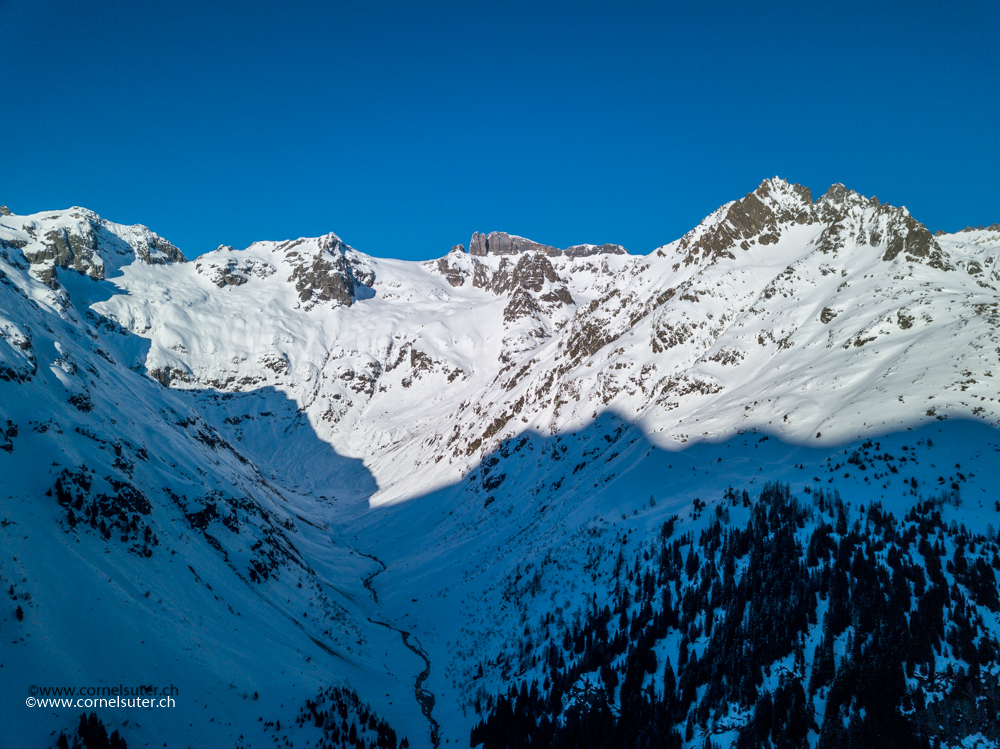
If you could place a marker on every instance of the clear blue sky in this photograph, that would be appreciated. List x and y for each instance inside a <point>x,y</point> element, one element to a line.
<point>405,126</point>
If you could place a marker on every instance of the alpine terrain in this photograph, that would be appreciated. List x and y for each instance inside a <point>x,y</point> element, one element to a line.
<point>742,491</point>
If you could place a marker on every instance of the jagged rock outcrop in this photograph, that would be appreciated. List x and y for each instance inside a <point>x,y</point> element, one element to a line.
<point>232,271</point>
<point>325,279</point>
<point>866,221</point>
<point>502,243</point>
<point>530,272</point>
<point>327,275</point>
<point>80,239</point>
<point>452,273</point>
<point>533,272</point>
<point>754,219</point>
<point>62,248</point>
<point>587,250</point>
<point>521,305</point>
<point>914,238</point>
<point>764,215</point>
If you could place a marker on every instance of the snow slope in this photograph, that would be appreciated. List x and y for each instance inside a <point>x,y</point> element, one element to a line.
<point>830,308</point>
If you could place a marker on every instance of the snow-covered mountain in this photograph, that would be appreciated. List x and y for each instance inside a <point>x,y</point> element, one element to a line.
<point>389,472</point>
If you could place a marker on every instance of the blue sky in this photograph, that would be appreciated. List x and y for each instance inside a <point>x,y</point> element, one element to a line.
<point>404,127</point>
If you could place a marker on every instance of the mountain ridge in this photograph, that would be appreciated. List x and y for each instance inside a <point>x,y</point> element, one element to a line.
<point>559,312</point>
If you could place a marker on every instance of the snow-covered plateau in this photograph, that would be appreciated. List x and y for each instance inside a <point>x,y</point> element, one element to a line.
<point>741,491</point>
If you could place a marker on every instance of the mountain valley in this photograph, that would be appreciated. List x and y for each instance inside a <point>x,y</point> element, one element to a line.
<point>740,491</point>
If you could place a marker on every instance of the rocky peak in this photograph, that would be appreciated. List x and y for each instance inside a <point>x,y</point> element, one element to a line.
<point>839,200</point>
<point>80,240</point>
<point>761,217</point>
<point>757,218</point>
<point>5,211</point>
<point>914,241</point>
<point>502,243</point>
<point>837,194</point>
<point>783,196</point>
<point>869,222</point>
<point>586,250</point>
<point>326,270</point>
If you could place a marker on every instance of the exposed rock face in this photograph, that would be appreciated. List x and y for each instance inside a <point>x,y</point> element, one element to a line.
<point>18,363</point>
<point>451,274</point>
<point>524,275</point>
<point>480,276</point>
<point>67,250</point>
<point>328,276</point>
<point>13,244</point>
<point>761,218</point>
<point>837,194</point>
<point>521,304</point>
<point>81,240</point>
<point>846,212</point>
<point>5,211</point>
<point>913,237</point>
<point>532,272</point>
<point>586,250</point>
<point>502,243</point>
<point>232,271</point>
<point>162,252</point>
<point>478,245</point>
<point>327,279</point>
<point>754,219</point>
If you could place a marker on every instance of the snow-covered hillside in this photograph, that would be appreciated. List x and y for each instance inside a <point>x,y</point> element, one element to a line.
<point>849,315</point>
<point>140,546</point>
<point>385,471</point>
